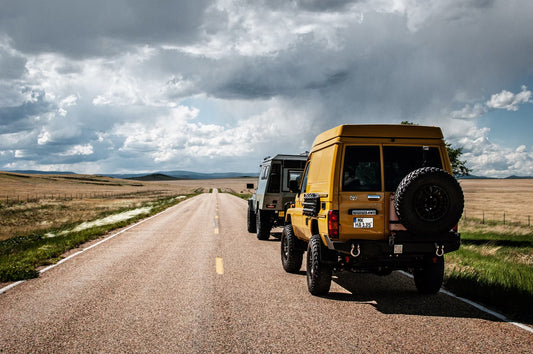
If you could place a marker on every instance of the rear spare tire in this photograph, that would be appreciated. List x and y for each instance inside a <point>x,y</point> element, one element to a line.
<point>429,201</point>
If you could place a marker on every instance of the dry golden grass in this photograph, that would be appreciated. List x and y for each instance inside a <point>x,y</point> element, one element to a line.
<point>494,197</point>
<point>30,203</point>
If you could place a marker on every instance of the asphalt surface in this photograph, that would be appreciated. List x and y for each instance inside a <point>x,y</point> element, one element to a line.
<point>193,280</point>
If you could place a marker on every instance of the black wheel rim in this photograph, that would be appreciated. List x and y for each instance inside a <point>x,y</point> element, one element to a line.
<point>431,203</point>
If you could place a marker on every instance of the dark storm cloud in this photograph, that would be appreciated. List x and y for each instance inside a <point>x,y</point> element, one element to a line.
<point>18,118</point>
<point>98,28</point>
<point>12,65</point>
<point>324,5</point>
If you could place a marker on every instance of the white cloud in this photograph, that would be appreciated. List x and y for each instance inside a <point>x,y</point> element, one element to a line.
<point>470,112</point>
<point>503,100</point>
<point>508,100</point>
<point>78,150</point>
<point>486,158</point>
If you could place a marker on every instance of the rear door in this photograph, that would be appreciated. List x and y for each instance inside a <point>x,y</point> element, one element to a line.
<point>361,196</point>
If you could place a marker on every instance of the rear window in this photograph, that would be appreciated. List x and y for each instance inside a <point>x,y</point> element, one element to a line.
<point>401,160</point>
<point>274,180</point>
<point>361,170</point>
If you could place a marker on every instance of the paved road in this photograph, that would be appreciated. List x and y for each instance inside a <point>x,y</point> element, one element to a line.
<point>193,280</point>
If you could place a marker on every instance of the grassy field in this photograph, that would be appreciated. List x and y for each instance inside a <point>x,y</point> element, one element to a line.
<point>44,216</point>
<point>495,262</point>
<point>32,203</point>
<point>492,198</point>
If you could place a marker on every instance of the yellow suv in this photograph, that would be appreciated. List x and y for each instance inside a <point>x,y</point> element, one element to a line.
<point>374,198</point>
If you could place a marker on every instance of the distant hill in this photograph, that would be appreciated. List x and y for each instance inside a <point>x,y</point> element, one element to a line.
<point>519,177</point>
<point>35,172</point>
<point>154,177</point>
<point>185,175</point>
<point>160,175</point>
<point>475,177</point>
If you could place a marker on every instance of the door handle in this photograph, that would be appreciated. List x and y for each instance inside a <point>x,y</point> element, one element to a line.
<point>374,197</point>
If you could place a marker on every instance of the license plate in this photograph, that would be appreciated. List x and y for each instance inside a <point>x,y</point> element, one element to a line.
<point>363,223</point>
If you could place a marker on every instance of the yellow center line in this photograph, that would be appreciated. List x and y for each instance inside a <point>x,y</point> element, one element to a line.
<point>219,266</point>
<point>216,222</point>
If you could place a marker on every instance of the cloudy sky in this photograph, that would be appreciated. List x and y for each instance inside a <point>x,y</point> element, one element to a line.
<point>215,85</point>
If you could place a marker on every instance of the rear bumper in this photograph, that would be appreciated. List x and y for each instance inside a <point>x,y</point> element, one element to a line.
<point>399,251</point>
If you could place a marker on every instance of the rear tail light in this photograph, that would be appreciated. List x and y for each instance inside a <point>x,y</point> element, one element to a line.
<point>333,223</point>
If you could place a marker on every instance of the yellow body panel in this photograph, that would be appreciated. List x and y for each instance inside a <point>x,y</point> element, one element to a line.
<point>324,177</point>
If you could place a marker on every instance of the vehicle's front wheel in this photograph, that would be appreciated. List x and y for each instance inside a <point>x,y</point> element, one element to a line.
<point>291,256</point>
<point>250,220</point>
<point>318,273</point>
<point>263,224</point>
<point>428,279</point>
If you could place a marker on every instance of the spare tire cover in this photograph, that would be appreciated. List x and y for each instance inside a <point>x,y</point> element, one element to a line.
<point>429,201</point>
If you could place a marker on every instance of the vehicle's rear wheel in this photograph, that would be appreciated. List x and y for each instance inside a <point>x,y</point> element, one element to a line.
<point>318,274</point>
<point>429,201</point>
<point>428,279</point>
<point>263,224</point>
<point>250,220</point>
<point>291,256</point>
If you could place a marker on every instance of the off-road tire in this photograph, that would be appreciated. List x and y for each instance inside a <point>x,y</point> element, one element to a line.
<point>429,201</point>
<point>263,225</point>
<point>318,273</point>
<point>250,219</point>
<point>291,255</point>
<point>428,279</point>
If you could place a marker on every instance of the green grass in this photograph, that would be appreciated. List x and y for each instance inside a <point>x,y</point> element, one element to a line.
<point>495,268</point>
<point>21,256</point>
<point>244,196</point>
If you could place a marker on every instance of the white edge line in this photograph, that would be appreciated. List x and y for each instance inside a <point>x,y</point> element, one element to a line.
<point>479,307</point>
<point>11,286</point>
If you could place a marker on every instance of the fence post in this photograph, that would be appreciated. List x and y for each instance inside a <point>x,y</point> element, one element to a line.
<point>504,217</point>
<point>483,217</point>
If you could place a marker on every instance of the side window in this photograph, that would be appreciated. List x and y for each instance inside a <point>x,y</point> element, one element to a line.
<point>264,172</point>
<point>303,185</point>
<point>294,176</point>
<point>401,160</point>
<point>361,169</point>
<point>274,181</point>
<point>290,175</point>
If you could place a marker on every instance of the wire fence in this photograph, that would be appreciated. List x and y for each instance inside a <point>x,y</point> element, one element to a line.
<point>63,196</point>
<point>491,217</point>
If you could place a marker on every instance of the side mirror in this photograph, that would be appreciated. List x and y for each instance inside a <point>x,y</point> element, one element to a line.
<point>293,186</point>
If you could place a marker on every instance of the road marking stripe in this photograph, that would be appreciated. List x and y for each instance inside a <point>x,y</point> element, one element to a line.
<point>217,228</point>
<point>219,266</point>
<point>479,307</point>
